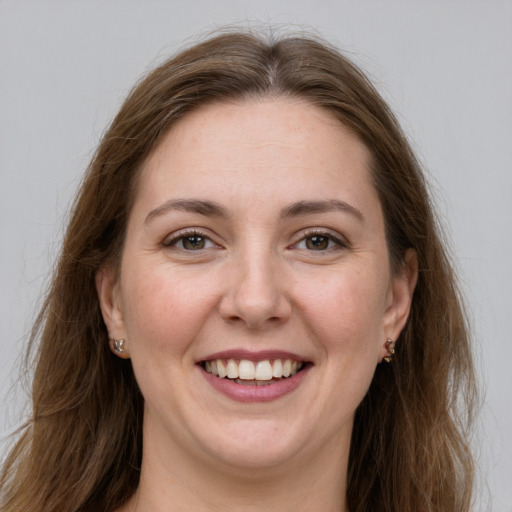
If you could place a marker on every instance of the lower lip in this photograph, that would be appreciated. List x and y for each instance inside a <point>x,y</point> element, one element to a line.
<point>247,393</point>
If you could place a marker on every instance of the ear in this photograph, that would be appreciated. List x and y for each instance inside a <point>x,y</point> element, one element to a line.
<point>400,296</point>
<point>108,289</point>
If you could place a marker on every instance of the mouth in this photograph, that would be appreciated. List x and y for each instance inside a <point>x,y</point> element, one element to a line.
<point>247,376</point>
<point>253,373</point>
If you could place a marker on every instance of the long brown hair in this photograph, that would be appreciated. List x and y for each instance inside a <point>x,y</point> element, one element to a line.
<point>81,449</point>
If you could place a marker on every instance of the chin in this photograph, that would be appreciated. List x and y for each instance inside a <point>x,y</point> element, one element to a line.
<point>253,444</point>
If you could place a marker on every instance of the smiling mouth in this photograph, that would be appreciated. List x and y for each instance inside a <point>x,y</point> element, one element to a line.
<point>249,373</point>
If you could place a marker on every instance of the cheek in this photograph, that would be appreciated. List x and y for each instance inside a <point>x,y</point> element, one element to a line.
<point>347,309</point>
<point>163,311</point>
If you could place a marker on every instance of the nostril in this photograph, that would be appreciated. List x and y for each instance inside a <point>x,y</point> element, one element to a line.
<point>253,320</point>
<point>255,302</point>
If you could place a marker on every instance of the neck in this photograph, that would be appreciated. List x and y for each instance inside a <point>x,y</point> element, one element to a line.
<point>313,483</point>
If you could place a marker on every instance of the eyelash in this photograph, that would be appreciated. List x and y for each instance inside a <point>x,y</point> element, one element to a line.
<point>184,235</point>
<point>322,234</point>
<point>339,243</point>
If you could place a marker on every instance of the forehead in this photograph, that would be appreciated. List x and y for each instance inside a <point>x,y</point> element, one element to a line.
<point>258,150</point>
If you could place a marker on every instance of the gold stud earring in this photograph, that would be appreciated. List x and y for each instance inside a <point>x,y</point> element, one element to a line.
<point>117,346</point>
<point>390,347</point>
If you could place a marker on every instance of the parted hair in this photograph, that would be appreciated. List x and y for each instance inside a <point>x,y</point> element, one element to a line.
<point>80,450</point>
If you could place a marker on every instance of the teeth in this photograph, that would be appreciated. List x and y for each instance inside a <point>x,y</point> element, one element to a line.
<point>278,369</point>
<point>232,369</point>
<point>247,372</point>
<point>264,370</point>
<point>253,382</point>
<point>287,368</point>
<point>221,368</point>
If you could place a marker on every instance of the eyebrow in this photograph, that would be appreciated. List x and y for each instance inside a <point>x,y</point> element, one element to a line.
<point>212,209</point>
<point>309,207</point>
<point>206,208</point>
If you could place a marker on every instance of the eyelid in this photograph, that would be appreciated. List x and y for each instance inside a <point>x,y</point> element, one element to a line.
<point>339,240</point>
<point>173,238</point>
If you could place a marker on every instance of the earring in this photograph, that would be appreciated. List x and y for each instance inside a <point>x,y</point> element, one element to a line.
<point>390,347</point>
<point>117,345</point>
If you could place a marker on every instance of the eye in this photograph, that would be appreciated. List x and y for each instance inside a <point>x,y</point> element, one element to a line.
<point>319,241</point>
<point>190,241</point>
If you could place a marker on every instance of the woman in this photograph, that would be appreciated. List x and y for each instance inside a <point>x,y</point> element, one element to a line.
<point>253,309</point>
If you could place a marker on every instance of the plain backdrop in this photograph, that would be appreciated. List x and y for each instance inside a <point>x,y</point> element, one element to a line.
<point>444,66</point>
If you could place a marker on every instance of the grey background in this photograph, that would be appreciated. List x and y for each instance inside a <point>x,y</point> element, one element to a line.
<point>444,66</point>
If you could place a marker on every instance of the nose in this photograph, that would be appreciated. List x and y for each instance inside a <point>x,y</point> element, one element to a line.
<point>256,293</point>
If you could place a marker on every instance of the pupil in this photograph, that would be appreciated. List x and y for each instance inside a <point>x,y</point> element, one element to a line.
<point>193,242</point>
<point>317,242</point>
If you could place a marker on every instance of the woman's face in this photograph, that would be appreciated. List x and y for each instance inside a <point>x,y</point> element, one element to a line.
<point>255,247</point>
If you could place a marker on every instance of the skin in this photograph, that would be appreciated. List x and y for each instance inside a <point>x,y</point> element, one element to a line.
<point>257,284</point>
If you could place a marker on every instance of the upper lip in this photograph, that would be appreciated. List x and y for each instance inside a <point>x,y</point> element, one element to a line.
<point>255,356</point>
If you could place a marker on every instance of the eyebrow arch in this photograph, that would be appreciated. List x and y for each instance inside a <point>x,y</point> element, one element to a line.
<point>207,208</point>
<point>309,207</point>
